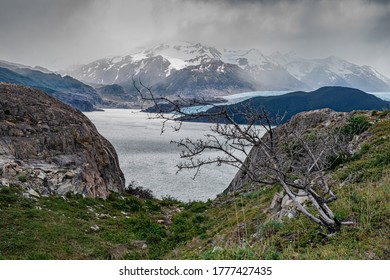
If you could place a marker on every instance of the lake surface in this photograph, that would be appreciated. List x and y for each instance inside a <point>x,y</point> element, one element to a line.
<point>147,157</point>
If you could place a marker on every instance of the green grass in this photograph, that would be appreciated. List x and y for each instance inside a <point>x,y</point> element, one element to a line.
<point>60,227</point>
<point>374,157</point>
<point>368,204</point>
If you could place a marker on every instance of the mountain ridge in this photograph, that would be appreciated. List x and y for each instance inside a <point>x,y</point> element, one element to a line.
<point>341,99</point>
<point>64,88</point>
<point>160,65</point>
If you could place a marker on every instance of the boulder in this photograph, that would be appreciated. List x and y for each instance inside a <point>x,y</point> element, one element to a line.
<point>50,147</point>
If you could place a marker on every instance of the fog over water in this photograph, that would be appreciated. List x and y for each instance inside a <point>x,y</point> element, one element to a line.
<point>147,157</point>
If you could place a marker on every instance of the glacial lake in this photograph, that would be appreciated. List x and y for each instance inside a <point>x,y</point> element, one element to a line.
<point>147,157</point>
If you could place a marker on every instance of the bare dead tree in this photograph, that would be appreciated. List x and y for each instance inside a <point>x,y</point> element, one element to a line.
<point>289,155</point>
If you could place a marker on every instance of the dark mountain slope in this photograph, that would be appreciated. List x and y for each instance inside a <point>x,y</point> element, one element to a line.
<point>341,99</point>
<point>66,89</point>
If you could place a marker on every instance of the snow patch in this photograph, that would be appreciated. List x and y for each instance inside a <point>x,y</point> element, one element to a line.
<point>117,59</point>
<point>138,56</point>
<point>253,56</point>
<point>176,63</point>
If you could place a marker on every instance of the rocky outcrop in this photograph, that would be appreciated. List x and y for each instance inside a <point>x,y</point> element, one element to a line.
<point>49,147</point>
<point>315,121</point>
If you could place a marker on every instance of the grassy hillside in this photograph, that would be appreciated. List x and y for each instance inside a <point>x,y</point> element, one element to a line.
<point>235,226</point>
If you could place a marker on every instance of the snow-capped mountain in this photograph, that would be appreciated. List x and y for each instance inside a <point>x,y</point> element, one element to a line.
<point>154,64</point>
<point>333,71</point>
<point>194,69</point>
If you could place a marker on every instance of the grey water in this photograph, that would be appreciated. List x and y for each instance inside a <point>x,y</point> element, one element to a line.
<point>147,157</point>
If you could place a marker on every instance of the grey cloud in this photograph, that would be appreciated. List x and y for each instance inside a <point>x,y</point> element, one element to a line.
<point>56,33</point>
<point>275,2</point>
<point>380,29</point>
<point>382,2</point>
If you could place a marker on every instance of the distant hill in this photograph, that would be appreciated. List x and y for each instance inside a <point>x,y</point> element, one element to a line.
<point>116,92</point>
<point>341,99</point>
<point>14,66</point>
<point>66,89</point>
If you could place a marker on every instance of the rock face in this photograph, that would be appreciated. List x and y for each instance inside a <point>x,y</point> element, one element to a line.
<point>51,148</point>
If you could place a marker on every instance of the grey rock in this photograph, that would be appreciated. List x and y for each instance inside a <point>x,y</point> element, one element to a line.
<point>291,214</point>
<point>276,203</point>
<point>4,182</point>
<point>63,151</point>
<point>42,175</point>
<point>217,249</point>
<point>65,188</point>
<point>95,227</point>
<point>286,201</point>
<point>33,193</point>
<point>9,170</point>
<point>70,174</point>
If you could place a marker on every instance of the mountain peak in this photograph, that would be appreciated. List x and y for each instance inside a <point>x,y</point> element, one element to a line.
<point>264,72</point>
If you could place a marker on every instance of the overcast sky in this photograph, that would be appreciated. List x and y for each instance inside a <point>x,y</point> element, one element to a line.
<point>58,33</point>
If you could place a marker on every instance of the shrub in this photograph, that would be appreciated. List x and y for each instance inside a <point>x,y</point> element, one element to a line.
<point>144,228</point>
<point>138,191</point>
<point>356,125</point>
<point>270,228</point>
<point>169,201</point>
<point>131,204</point>
<point>22,178</point>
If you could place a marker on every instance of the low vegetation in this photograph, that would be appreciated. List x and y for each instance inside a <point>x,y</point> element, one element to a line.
<point>73,227</point>
<point>234,226</point>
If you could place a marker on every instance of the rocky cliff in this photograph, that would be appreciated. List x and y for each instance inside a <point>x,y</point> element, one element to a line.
<point>49,147</point>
